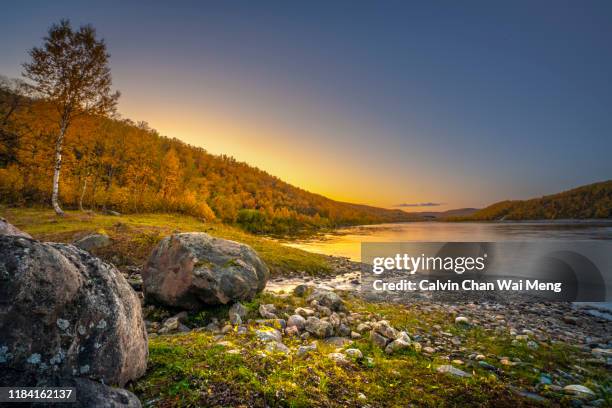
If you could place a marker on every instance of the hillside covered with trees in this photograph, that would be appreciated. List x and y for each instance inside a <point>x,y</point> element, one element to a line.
<point>117,164</point>
<point>590,201</point>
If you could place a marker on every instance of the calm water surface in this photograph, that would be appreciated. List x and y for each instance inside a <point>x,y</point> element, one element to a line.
<point>347,242</point>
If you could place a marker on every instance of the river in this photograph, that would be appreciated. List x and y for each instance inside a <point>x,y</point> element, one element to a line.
<point>346,242</point>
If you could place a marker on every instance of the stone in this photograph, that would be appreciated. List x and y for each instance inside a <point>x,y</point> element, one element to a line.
<point>194,270</point>
<point>318,328</point>
<point>343,330</point>
<point>579,391</point>
<point>300,290</point>
<point>569,319</point>
<point>169,325</point>
<point>449,369</point>
<point>8,229</point>
<point>338,358</point>
<point>379,340</point>
<point>305,312</point>
<point>307,349</point>
<point>384,329</point>
<point>64,311</point>
<point>428,350</point>
<point>397,345</point>
<point>296,321</point>
<point>362,327</point>
<point>277,347</point>
<point>338,341</point>
<point>267,311</point>
<point>292,331</point>
<point>269,334</point>
<point>237,313</point>
<point>328,299</point>
<point>93,241</point>
<point>355,335</point>
<point>354,353</point>
<point>91,394</point>
<point>462,320</point>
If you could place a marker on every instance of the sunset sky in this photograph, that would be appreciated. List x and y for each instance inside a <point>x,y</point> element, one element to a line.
<point>456,103</point>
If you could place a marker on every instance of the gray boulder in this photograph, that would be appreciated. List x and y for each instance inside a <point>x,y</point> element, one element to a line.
<point>296,320</point>
<point>328,299</point>
<point>65,313</point>
<point>8,229</point>
<point>192,270</point>
<point>93,241</point>
<point>318,328</point>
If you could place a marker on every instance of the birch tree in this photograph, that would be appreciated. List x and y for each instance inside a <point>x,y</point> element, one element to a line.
<point>71,70</point>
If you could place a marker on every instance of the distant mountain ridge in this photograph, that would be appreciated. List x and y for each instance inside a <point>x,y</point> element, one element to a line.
<point>457,212</point>
<point>589,201</point>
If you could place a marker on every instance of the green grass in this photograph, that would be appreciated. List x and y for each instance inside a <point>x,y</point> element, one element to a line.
<point>192,369</point>
<point>134,236</point>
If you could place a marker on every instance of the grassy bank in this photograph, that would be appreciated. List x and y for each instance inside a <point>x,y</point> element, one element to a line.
<point>201,368</point>
<point>134,236</point>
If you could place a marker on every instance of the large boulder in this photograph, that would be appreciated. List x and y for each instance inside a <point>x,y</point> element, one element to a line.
<point>65,313</point>
<point>7,229</point>
<point>192,270</point>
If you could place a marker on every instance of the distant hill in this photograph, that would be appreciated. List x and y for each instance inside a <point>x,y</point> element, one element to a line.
<point>120,165</point>
<point>590,201</point>
<point>458,212</point>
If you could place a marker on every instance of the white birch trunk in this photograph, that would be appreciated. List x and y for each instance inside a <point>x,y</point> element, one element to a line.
<point>57,169</point>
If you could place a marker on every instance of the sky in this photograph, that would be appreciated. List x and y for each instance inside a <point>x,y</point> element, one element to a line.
<point>428,105</point>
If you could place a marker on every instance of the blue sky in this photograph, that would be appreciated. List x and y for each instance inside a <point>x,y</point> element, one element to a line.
<point>460,103</point>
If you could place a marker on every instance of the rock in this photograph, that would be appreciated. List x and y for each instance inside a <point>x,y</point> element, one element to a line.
<point>277,347</point>
<point>328,299</point>
<point>338,358</point>
<point>343,330</point>
<point>417,346</point>
<point>269,334</point>
<point>449,369</point>
<point>355,335</point>
<point>480,357</point>
<point>462,320</point>
<point>579,391</point>
<point>292,331</point>
<point>267,311</point>
<point>93,241</point>
<point>397,345</point>
<point>354,353</point>
<point>169,325</point>
<point>384,329</point>
<point>377,339</point>
<point>8,229</point>
<point>237,313</point>
<point>65,312</point>
<point>428,350</point>
<point>193,270</point>
<point>487,366</point>
<point>307,349</point>
<point>296,321</point>
<point>362,327</point>
<point>361,397</point>
<point>300,290</point>
<point>305,312</point>
<point>570,319</point>
<point>318,328</point>
<point>338,341</point>
<point>532,345</point>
